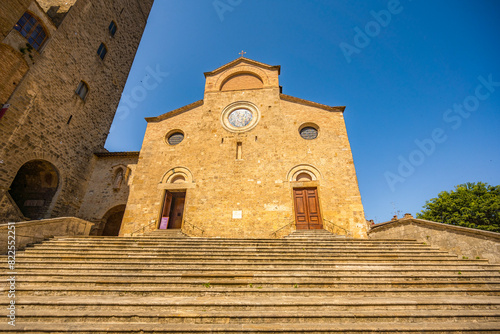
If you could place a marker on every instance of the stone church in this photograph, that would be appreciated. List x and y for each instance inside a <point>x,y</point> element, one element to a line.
<point>245,161</point>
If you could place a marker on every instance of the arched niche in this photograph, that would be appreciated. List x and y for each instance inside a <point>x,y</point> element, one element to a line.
<point>241,72</point>
<point>241,81</point>
<point>34,188</point>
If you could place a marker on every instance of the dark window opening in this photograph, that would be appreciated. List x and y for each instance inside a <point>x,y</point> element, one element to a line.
<point>112,28</point>
<point>102,51</point>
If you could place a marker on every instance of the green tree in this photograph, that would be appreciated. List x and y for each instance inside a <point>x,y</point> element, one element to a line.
<point>474,205</point>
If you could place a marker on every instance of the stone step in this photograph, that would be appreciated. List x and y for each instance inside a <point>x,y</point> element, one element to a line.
<point>366,327</point>
<point>235,254</point>
<point>160,271</point>
<point>154,246</point>
<point>253,291</point>
<point>279,303</point>
<point>236,265</point>
<point>296,282</point>
<point>341,258</point>
<point>233,240</point>
<point>111,275</point>
<point>252,317</point>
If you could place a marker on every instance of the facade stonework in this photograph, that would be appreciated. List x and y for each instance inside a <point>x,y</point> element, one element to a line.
<point>240,180</point>
<point>108,188</point>
<point>47,121</point>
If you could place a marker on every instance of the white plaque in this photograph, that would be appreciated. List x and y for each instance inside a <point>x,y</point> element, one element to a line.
<point>237,214</point>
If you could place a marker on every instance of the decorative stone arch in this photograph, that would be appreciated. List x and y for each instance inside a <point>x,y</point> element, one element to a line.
<point>304,171</point>
<point>176,174</point>
<point>242,70</point>
<point>177,178</point>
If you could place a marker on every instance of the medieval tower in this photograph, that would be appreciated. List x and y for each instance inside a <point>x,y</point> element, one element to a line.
<point>64,65</point>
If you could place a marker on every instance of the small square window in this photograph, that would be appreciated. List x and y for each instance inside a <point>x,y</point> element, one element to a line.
<point>102,51</point>
<point>112,28</point>
<point>82,90</point>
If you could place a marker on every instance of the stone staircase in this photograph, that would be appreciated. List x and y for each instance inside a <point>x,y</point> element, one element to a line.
<point>309,282</point>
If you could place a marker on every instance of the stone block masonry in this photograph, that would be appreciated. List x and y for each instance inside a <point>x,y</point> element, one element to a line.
<point>47,120</point>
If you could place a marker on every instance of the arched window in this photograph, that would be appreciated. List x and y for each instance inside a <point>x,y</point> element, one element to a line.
<point>102,51</point>
<point>32,30</point>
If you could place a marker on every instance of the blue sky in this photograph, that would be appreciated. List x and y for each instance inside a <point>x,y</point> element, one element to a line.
<point>420,81</point>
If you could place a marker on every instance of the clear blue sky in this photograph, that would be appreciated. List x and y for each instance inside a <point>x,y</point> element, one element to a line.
<point>403,84</point>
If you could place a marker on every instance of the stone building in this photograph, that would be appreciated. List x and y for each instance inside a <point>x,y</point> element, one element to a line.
<point>246,161</point>
<point>63,68</point>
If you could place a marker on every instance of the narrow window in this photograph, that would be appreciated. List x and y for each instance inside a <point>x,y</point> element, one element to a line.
<point>112,28</point>
<point>238,150</point>
<point>82,90</point>
<point>32,30</point>
<point>102,51</point>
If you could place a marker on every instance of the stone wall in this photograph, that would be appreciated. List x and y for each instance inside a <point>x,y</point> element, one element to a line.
<point>259,185</point>
<point>37,231</point>
<point>10,12</point>
<point>47,120</point>
<point>462,241</point>
<point>107,189</point>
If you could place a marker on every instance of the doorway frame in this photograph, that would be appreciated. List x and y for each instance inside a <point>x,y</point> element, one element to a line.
<point>163,193</point>
<point>309,184</point>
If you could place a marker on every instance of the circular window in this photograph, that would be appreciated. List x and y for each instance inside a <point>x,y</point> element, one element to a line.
<point>175,138</point>
<point>240,116</point>
<point>309,132</point>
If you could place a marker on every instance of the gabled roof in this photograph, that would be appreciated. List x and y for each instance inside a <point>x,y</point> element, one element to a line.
<point>245,60</point>
<point>311,103</point>
<point>174,112</point>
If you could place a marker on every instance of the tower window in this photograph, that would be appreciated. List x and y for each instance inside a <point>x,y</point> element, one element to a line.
<point>102,51</point>
<point>32,30</point>
<point>112,28</point>
<point>82,90</point>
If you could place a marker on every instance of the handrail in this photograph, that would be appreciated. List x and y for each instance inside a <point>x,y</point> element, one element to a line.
<point>287,224</point>
<point>348,233</point>
<point>143,227</point>
<point>193,225</point>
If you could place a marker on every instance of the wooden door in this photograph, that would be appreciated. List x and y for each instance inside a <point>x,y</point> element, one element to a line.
<point>177,211</point>
<point>166,210</point>
<point>307,214</point>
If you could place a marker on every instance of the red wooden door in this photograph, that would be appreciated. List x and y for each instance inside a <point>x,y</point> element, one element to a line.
<point>307,214</point>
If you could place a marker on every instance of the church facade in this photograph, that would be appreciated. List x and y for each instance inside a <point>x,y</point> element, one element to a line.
<point>246,161</point>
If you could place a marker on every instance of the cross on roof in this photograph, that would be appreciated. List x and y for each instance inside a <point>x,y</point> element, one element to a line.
<point>242,53</point>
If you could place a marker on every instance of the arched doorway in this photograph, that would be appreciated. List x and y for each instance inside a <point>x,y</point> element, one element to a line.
<point>34,187</point>
<point>112,221</point>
